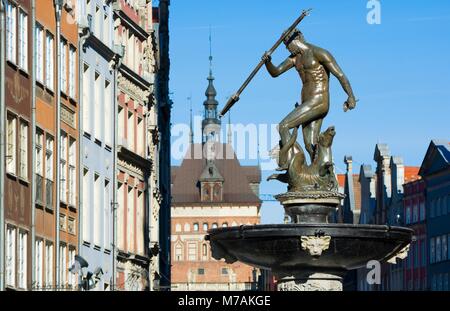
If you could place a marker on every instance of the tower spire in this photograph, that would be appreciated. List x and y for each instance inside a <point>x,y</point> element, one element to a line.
<point>210,52</point>
<point>211,122</point>
<point>191,132</point>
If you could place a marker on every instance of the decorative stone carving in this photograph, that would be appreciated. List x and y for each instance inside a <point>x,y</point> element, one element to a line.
<point>315,245</point>
<point>311,284</point>
<point>134,91</point>
<point>402,254</point>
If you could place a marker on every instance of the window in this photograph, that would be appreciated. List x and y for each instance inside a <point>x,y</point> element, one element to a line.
<point>39,169</point>
<point>39,53</point>
<point>415,213</point>
<point>71,226</point>
<point>438,249</point>
<point>11,145</point>
<point>72,277</point>
<point>86,98</point>
<point>444,247</point>
<point>10,260</point>
<point>23,40</point>
<point>408,215</point>
<point>63,70</point>
<point>416,254</point>
<point>108,117</point>
<point>72,71</point>
<point>192,251</point>
<point>49,61</point>
<point>178,252</point>
<point>63,264</point>
<point>448,246</point>
<point>72,172</point>
<point>205,226</point>
<point>121,214</point>
<point>214,225</point>
<point>424,252</point>
<point>130,130</point>
<point>438,207</point>
<point>140,222</point>
<point>49,264</point>
<point>49,171</point>
<point>433,208</point>
<point>130,218</point>
<point>204,250</point>
<point>224,271</point>
<point>106,217</point>
<point>140,137</point>
<point>97,210</point>
<point>49,157</point>
<point>121,122</point>
<point>225,225</point>
<point>11,30</point>
<point>201,271</point>
<point>22,260</point>
<point>106,29</point>
<point>39,264</point>
<point>196,227</point>
<point>98,21</point>
<point>422,211</point>
<point>98,117</point>
<point>62,222</point>
<point>432,250</point>
<point>63,165</point>
<point>187,227</point>
<point>23,150</point>
<point>177,228</point>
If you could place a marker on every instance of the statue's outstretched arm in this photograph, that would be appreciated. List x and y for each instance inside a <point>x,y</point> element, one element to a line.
<point>275,71</point>
<point>331,65</point>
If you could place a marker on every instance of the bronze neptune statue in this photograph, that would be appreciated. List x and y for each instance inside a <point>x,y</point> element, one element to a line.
<point>314,66</point>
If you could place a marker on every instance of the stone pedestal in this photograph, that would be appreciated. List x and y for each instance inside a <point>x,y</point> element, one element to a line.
<point>310,207</point>
<point>310,283</point>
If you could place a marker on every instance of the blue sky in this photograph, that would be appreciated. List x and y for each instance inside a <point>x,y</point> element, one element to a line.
<point>399,70</point>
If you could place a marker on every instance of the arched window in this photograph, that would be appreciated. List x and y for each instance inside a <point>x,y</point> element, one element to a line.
<point>205,226</point>
<point>177,228</point>
<point>225,224</point>
<point>214,225</point>
<point>234,224</point>
<point>196,227</point>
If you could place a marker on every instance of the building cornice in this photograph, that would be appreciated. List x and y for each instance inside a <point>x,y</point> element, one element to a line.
<point>130,24</point>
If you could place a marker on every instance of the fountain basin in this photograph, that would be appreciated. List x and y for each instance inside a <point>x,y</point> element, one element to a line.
<point>280,247</point>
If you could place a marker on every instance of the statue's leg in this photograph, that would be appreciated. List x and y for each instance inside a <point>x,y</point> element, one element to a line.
<point>311,133</point>
<point>309,111</point>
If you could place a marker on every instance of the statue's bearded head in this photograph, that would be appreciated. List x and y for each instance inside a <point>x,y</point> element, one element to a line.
<point>295,42</point>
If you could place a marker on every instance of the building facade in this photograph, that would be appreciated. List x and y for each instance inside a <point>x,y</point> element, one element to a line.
<point>415,266</point>
<point>135,200</point>
<point>81,144</point>
<point>98,61</point>
<point>381,194</point>
<point>435,171</point>
<point>18,177</point>
<point>209,190</point>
